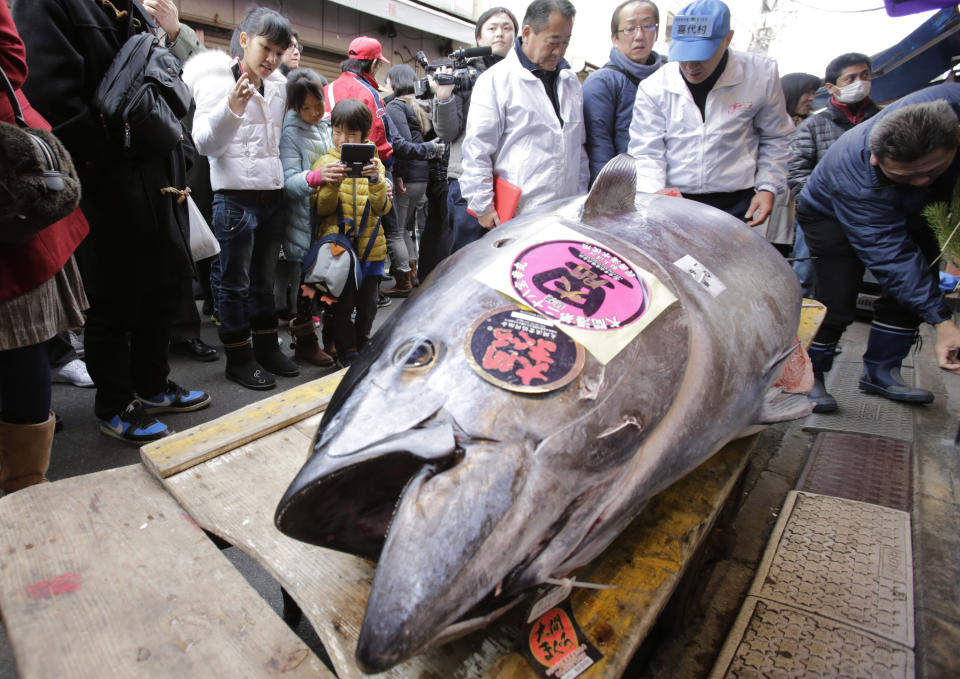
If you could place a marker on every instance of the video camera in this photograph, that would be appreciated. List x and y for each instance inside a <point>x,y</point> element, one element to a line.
<point>463,77</point>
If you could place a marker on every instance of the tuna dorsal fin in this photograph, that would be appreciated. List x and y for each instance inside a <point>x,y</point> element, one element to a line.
<point>614,191</point>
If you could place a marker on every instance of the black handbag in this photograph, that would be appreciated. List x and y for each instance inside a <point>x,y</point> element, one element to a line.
<point>38,183</point>
<point>141,98</point>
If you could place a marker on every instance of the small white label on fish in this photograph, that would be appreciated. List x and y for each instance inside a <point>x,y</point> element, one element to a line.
<point>550,600</point>
<point>531,318</point>
<point>701,274</point>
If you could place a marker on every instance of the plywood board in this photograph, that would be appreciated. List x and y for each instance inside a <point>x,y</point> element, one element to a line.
<point>181,451</point>
<point>104,575</point>
<point>235,495</point>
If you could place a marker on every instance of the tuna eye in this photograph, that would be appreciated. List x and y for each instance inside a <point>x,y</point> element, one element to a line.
<point>415,353</point>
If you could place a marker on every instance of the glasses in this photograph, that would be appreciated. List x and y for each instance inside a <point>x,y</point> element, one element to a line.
<point>631,31</point>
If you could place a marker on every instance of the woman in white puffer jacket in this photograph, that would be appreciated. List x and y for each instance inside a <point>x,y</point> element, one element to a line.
<point>238,122</point>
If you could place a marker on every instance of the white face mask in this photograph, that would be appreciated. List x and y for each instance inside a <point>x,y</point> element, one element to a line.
<point>853,93</point>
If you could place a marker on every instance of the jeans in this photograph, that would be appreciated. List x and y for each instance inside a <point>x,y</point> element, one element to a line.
<point>407,214</point>
<point>249,231</point>
<point>804,267</point>
<point>466,228</point>
<point>393,230</point>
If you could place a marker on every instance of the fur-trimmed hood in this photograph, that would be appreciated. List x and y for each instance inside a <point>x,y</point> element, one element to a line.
<point>214,63</point>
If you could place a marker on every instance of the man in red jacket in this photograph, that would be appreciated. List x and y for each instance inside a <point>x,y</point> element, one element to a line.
<point>358,80</point>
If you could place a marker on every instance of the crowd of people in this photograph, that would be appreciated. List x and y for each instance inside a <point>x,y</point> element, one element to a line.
<point>260,156</point>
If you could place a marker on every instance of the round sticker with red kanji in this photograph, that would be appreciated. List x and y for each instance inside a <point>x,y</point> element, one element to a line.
<point>518,350</point>
<point>580,284</point>
<point>552,637</point>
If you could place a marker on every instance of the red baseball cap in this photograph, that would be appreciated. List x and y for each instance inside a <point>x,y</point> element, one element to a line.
<point>366,48</point>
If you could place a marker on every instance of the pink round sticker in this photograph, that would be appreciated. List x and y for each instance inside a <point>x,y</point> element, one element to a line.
<point>580,284</point>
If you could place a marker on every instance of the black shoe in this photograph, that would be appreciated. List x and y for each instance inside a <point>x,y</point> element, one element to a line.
<point>241,366</point>
<point>383,300</point>
<point>194,348</point>
<point>266,351</point>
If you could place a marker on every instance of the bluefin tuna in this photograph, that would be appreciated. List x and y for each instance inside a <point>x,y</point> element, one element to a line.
<point>520,409</point>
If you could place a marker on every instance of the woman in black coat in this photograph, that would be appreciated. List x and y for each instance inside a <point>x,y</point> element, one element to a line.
<point>136,259</point>
<point>410,173</point>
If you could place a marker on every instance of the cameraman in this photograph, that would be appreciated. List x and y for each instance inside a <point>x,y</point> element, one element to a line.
<point>496,28</point>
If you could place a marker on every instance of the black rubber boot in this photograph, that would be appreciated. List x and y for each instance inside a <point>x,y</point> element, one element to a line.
<point>242,368</point>
<point>887,346</point>
<point>266,348</point>
<point>821,356</point>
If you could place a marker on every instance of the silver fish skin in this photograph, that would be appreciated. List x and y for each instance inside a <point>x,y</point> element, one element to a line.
<point>469,495</point>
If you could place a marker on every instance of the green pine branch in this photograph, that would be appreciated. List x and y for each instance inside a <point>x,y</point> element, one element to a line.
<point>945,221</point>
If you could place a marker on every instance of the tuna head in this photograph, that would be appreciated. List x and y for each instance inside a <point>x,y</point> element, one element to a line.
<point>467,494</point>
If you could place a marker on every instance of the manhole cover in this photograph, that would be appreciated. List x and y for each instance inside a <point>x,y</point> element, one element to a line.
<point>858,467</point>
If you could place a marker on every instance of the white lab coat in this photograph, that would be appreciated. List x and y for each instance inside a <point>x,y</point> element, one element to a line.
<point>512,132</point>
<point>745,142</point>
<point>244,151</point>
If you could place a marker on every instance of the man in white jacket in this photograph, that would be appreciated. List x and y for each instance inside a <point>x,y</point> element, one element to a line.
<point>712,123</point>
<point>526,119</point>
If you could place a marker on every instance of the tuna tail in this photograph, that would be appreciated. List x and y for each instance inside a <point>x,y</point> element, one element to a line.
<point>614,191</point>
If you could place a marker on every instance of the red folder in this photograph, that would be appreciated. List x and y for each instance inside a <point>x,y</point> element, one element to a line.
<point>505,198</point>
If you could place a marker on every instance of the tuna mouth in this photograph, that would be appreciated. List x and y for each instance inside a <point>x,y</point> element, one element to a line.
<point>347,502</point>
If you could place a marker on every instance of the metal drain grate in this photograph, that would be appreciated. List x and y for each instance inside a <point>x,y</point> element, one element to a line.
<point>858,467</point>
<point>774,640</point>
<point>845,560</point>
<point>862,413</point>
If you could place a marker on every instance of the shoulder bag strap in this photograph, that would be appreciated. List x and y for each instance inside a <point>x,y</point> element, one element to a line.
<point>373,236</point>
<point>14,102</point>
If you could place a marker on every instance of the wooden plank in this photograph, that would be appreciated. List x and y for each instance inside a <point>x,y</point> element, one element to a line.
<point>183,450</point>
<point>104,575</point>
<point>235,495</point>
<point>811,316</point>
<point>645,564</point>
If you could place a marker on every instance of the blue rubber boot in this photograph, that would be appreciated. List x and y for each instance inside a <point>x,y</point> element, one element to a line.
<point>887,346</point>
<point>821,356</point>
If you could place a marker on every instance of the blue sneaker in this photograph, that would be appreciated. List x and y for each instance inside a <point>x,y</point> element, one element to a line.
<point>175,399</point>
<point>134,426</point>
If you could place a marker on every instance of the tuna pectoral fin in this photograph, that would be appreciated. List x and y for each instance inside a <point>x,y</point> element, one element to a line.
<point>779,406</point>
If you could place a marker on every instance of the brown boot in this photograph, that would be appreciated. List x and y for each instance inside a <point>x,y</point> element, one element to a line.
<point>402,287</point>
<point>414,279</point>
<point>307,347</point>
<point>24,453</point>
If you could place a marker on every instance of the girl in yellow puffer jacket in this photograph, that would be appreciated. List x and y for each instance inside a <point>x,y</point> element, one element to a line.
<point>353,206</point>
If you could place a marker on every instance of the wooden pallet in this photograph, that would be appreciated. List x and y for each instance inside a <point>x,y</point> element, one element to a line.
<point>234,494</point>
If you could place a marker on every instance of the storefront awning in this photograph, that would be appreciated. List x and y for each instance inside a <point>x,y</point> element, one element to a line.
<point>416,16</point>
